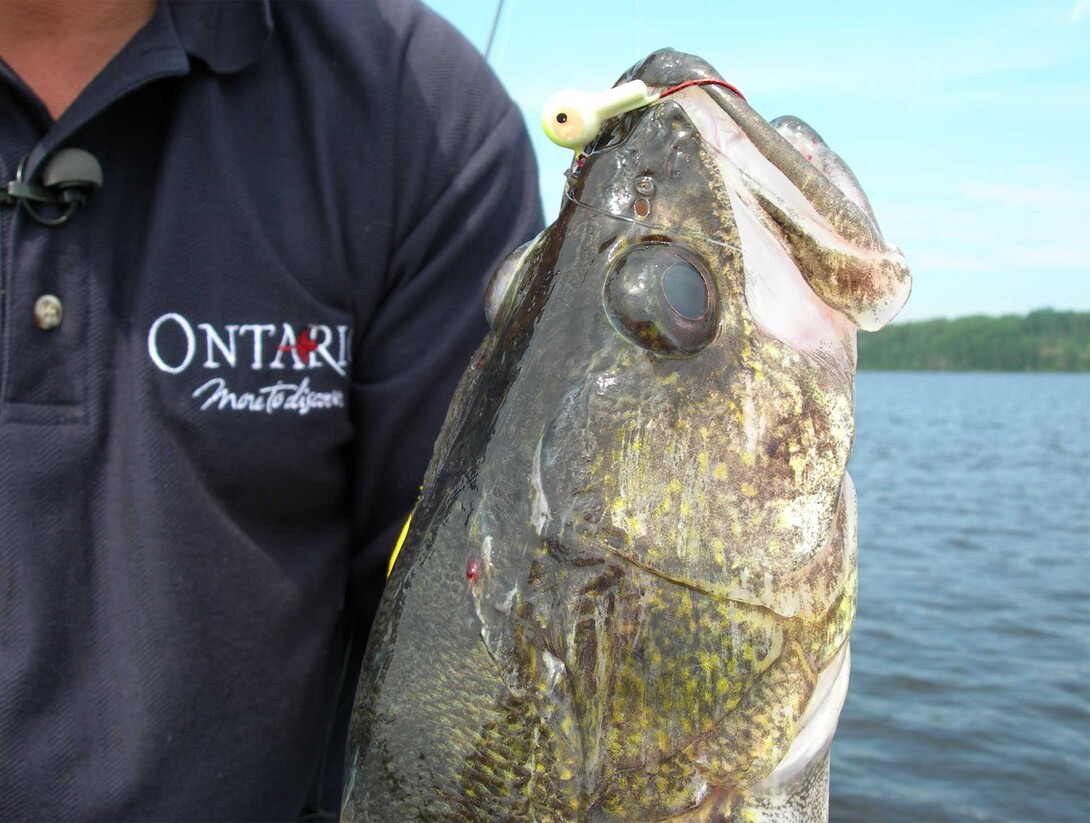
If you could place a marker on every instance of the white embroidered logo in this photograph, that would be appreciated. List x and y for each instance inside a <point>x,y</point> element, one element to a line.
<point>174,346</point>
<point>295,397</point>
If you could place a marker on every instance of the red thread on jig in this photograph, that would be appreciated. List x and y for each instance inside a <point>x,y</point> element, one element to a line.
<point>708,81</point>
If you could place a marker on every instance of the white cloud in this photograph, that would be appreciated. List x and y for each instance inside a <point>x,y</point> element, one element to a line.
<point>1080,11</point>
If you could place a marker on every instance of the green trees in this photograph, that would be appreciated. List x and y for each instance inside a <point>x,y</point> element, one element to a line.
<point>1044,340</point>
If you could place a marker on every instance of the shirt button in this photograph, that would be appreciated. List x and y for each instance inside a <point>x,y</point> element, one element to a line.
<point>48,312</point>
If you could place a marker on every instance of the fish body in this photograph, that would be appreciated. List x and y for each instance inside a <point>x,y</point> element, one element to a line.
<point>627,589</point>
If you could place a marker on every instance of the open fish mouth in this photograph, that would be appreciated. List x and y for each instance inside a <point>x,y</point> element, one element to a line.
<point>781,177</point>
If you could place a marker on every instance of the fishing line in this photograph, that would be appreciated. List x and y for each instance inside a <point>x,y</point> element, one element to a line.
<point>495,25</point>
<point>643,224</point>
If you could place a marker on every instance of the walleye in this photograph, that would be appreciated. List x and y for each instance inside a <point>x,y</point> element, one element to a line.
<point>627,589</point>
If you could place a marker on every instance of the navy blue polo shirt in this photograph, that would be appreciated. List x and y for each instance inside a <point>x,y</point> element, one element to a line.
<point>265,310</point>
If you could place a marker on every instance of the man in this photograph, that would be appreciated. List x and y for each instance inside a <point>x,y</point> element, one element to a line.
<point>221,377</point>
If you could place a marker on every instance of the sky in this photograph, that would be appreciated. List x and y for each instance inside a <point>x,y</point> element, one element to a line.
<point>968,124</point>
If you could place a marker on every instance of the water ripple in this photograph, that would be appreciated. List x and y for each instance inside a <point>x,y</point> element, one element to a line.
<point>970,695</point>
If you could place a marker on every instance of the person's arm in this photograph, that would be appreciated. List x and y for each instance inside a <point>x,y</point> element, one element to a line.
<point>452,189</point>
<point>466,195</point>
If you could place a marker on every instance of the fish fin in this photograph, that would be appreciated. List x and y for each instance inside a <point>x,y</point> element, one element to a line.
<point>400,542</point>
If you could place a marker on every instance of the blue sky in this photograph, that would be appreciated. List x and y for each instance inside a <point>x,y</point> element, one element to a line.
<point>967,124</point>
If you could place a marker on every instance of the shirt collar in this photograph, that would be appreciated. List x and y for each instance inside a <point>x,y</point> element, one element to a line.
<point>225,36</point>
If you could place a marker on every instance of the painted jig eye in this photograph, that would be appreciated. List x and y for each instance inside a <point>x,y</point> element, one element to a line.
<point>501,284</point>
<point>662,298</point>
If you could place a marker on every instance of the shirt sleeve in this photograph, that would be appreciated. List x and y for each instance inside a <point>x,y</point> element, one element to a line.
<point>465,195</point>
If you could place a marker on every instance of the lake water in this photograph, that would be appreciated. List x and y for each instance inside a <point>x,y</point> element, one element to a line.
<point>970,690</point>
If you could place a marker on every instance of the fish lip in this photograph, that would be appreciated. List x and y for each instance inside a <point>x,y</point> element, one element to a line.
<point>668,67</point>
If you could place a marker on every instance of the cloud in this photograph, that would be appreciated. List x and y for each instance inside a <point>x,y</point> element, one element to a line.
<point>1080,11</point>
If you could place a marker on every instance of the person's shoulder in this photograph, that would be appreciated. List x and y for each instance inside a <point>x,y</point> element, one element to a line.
<point>388,26</point>
<point>398,14</point>
<point>398,46</point>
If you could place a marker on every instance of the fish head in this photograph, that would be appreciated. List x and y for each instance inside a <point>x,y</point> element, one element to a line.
<point>687,395</point>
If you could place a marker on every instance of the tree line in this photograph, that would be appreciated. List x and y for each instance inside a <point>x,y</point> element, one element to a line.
<point>1043,340</point>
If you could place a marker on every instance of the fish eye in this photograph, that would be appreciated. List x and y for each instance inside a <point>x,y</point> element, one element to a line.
<point>661,297</point>
<point>500,285</point>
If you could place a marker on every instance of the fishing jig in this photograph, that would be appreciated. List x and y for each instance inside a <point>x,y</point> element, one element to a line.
<point>572,118</point>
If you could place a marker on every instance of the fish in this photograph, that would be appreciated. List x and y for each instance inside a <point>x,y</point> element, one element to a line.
<point>627,589</point>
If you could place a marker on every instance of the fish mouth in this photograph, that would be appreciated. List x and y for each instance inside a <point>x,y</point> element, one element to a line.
<point>668,67</point>
<point>764,181</point>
